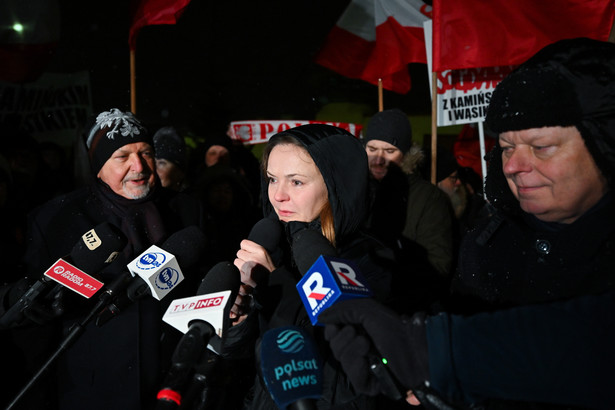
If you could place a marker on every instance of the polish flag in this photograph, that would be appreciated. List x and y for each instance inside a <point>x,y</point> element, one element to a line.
<point>479,33</point>
<point>377,39</point>
<point>151,12</point>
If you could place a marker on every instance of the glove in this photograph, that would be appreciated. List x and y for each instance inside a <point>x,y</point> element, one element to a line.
<point>357,326</point>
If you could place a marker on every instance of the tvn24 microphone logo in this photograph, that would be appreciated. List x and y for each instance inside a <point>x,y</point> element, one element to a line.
<point>151,260</point>
<point>167,279</point>
<point>329,280</point>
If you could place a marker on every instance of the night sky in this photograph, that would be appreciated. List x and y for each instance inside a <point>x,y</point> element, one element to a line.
<point>223,61</point>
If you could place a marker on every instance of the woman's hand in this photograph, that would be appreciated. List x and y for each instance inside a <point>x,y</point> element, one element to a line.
<point>253,262</point>
<point>252,252</point>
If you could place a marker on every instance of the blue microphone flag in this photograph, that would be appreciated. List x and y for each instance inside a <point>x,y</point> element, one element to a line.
<point>291,366</point>
<point>328,281</point>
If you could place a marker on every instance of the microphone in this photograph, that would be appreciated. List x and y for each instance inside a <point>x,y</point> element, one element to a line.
<point>291,367</point>
<point>96,249</point>
<point>156,271</point>
<point>267,233</point>
<point>203,319</point>
<point>329,280</point>
<point>211,304</point>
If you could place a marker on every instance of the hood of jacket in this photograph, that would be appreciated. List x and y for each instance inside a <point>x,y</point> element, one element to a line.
<point>342,161</point>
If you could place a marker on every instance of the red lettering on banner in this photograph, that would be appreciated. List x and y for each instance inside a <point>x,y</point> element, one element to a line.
<point>471,78</point>
<point>265,129</point>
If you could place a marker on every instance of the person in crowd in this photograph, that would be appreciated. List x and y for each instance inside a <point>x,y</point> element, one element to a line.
<point>316,182</point>
<point>447,177</point>
<point>171,158</point>
<point>535,284</point>
<point>230,210</point>
<point>476,209</point>
<point>119,364</point>
<point>464,189</point>
<point>221,152</point>
<point>407,213</point>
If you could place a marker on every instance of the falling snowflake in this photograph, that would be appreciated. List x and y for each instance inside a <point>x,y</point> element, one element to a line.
<point>118,122</point>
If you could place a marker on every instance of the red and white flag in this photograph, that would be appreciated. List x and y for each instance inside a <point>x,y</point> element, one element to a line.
<point>151,12</point>
<point>377,39</point>
<point>479,33</point>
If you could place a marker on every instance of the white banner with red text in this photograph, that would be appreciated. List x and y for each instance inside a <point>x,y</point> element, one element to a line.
<point>257,132</point>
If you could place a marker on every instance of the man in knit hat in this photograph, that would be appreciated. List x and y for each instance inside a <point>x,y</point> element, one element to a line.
<point>119,364</point>
<point>535,284</point>
<point>409,214</point>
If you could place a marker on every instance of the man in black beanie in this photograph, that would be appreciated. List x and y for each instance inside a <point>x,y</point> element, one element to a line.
<point>409,214</point>
<point>535,287</point>
<point>117,365</point>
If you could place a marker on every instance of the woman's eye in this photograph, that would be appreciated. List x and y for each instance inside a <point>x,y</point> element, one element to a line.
<point>295,182</point>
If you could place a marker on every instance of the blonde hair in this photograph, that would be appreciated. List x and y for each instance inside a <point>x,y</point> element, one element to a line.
<point>327,223</point>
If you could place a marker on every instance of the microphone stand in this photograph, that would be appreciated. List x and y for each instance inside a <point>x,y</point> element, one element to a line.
<point>74,332</point>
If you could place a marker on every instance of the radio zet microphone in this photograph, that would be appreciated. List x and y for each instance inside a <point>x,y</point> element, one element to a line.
<point>73,278</point>
<point>328,281</point>
<point>159,269</point>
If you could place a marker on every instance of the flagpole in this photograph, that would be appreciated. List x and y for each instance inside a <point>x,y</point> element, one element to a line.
<point>133,87</point>
<point>434,126</point>
<point>483,162</point>
<point>380,101</point>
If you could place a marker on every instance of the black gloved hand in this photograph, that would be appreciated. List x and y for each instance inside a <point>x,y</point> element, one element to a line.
<point>356,326</point>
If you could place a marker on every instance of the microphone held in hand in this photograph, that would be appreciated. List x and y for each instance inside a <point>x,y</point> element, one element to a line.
<point>212,303</point>
<point>203,319</point>
<point>267,233</point>
<point>96,249</point>
<point>291,367</point>
<point>156,271</point>
<point>330,280</point>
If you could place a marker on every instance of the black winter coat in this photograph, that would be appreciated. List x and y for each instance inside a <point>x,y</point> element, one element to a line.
<point>118,365</point>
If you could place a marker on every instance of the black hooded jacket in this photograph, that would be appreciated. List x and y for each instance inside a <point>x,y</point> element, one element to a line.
<point>342,161</point>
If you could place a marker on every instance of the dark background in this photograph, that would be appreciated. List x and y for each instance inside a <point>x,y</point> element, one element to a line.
<point>224,61</point>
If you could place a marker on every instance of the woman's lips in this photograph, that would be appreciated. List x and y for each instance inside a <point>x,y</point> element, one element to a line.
<point>283,212</point>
